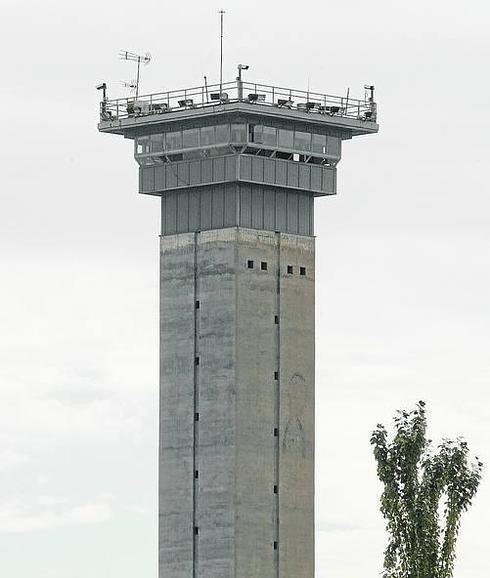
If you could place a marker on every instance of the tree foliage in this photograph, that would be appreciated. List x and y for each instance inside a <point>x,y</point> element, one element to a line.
<point>425,493</point>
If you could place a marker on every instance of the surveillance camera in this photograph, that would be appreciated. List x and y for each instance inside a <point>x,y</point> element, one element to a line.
<point>243,66</point>
<point>101,86</point>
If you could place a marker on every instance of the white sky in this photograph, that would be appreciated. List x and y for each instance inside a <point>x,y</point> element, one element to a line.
<point>402,262</point>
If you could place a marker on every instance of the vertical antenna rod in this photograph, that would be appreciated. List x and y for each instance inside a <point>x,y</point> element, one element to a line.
<point>222,13</point>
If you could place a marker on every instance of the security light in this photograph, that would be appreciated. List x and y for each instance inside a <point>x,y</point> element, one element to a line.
<point>254,97</point>
<point>103,87</point>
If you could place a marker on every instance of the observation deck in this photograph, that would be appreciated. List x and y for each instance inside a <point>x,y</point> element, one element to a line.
<point>242,153</point>
<point>123,115</point>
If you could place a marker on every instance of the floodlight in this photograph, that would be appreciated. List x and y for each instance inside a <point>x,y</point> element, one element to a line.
<point>186,102</point>
<point>254,97</point>
<point>223,97</point>
<point>102,86</point>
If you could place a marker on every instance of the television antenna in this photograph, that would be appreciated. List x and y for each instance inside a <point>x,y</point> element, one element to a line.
<point>139,59</point>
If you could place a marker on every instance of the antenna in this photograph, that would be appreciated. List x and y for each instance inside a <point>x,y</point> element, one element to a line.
<point>145,59</point>
<point>131,85</point>
<point>221,13</point>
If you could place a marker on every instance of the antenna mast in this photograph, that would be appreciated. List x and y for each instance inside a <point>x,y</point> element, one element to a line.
<point>221,13</point>
<point>145,59</point>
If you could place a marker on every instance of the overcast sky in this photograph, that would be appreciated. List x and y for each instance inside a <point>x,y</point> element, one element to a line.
<point>403,276</point>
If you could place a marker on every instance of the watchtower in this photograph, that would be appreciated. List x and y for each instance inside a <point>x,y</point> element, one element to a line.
<point>237,167</point>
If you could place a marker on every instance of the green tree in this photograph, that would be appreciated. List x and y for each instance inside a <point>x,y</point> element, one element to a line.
<point>425,492</point>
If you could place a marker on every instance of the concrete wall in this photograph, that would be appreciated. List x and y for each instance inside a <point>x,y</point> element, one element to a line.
<point>253,335</point>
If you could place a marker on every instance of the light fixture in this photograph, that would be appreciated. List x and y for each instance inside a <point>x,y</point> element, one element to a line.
<point>223,97</point>
<point>254,97</point>
<point>103,87</point>
<point>286,102</point>
<point>186,102</point>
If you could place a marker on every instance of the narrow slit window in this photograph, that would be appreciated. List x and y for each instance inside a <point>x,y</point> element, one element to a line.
<point>196,530</point>
<point>302,270</point>
<point>198,304</point>
<point>276,545</point>
<point>276,375</point>
<point>275,489</point>
<point>263,266</point>
<point>276,432</point>
<point>250,264</point>
<point>196,474</point>
<point>290,269</point>
<point>196,417</point>
<point>276,319</point>
<point>197,361</point>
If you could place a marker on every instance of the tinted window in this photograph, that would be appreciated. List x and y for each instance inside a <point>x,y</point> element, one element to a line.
<point>238,133</point>
<point>207,136</point>
<point>286,138</point>
<point>173,140</point>
<point>333,146</point>
<point>302,140</point>
<point>319,143</point>
<point>143,145</point>
<point>156,143</point>
<point>191,138</point>
<point>255,133</point>
<point>223,133</point>
<point>269,136</point>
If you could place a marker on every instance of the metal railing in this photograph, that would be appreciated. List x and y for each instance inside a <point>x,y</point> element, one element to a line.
<point>258,94</point>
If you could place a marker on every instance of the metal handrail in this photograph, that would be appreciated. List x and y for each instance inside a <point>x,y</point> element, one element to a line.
<point>238,91</point>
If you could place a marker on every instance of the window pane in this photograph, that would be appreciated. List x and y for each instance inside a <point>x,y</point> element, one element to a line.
<point>207,136</point>
<point>191,138</point>
<point>255,133</point>
<point>156,143</point>
<point>143,145</point>
<point>173,140</point>
<point>302,140</point>
<point>319,143</point>
<point>286,138</point>
<point>238,133</point>
<point>269,136</point>
<point>333,146</point>
<point>223,133</point>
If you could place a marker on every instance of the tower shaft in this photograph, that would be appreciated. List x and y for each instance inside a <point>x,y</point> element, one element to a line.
<point>237,404</point>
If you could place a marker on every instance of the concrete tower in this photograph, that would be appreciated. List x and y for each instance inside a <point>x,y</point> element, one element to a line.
<point>237,169</point>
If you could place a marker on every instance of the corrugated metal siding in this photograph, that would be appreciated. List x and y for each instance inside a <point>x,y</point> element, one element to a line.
<point>237,204</point>
<point>245,168</point>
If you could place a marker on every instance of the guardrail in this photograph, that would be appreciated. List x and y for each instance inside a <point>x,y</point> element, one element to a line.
<point>238,91</point>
